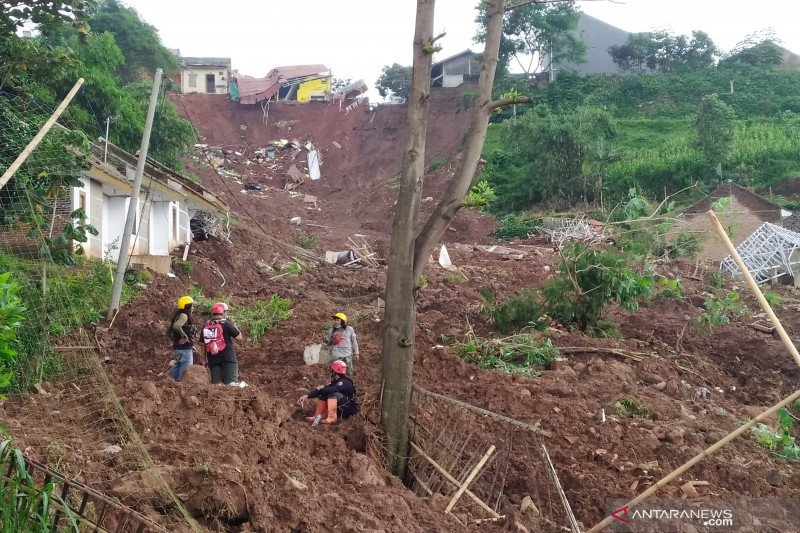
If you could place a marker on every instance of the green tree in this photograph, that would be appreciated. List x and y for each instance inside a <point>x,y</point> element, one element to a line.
<point>337,84</point>
<point>537,34</point>
<point>665,52</point>
<point>714,131</point>
<point>15,14</point>
<point>394,82</point>
<point>138,41</point>
<point>759,49</point>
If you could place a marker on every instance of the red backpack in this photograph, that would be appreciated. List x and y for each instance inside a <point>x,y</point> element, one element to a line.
<point>213,337</point>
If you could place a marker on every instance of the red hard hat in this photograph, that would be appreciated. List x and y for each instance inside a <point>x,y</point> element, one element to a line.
<point>219,308</point>
<point>339,367</point>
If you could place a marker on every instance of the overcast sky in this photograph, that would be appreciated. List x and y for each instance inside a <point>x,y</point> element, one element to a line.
<point>355,38</point>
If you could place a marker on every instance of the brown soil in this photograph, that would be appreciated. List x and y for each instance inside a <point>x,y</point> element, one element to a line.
<point>246,460</point>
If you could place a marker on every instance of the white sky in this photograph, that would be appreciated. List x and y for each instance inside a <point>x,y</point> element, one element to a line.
<point>355,38</point>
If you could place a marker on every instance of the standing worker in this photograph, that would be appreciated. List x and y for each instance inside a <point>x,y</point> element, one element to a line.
<point>342,339</point>
<point>182,331</point>
<point>337,397</point>
<point>218,335</point>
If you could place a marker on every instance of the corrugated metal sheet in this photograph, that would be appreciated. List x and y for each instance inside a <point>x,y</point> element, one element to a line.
<point>215,62</point>
<point>253,90</point>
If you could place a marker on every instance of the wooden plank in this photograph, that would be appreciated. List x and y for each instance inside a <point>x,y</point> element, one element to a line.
<point>452,480</point>
<point>470,478</point>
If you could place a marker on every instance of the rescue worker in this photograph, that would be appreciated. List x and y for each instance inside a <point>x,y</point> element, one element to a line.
<point>218,335</point>
<point>182,331</point>
<point>342,339</point>
<point>338,397</point>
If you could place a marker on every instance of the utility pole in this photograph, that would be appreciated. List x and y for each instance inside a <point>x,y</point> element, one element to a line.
<point>105,152</point>
<point>122,260</point>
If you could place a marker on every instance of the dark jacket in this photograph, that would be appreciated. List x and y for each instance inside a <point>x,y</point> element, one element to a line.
<point>188,329</point>
<point>229,330</point>
<point>341,388</point>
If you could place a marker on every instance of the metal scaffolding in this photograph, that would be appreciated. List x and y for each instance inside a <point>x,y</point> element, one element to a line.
<point>769,253</point>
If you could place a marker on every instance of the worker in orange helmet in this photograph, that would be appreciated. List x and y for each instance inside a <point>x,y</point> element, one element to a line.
<point>337,397</point>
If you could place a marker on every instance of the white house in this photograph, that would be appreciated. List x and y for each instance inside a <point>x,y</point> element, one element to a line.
<point>208,75</point>
<point>165,207</point>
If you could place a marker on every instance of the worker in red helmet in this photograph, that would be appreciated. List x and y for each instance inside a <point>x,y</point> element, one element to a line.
<point>218,334</point>
<point>338,397</point>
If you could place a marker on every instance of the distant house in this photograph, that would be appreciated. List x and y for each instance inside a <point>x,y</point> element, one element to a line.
<point>456,70</point>
<point>742,216</point>
<point>208,75</point>
<point>301,83</point>
<point>598,36</point>
<point>164,210</point>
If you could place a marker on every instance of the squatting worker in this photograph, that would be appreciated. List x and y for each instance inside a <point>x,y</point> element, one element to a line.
<point>338,397</point>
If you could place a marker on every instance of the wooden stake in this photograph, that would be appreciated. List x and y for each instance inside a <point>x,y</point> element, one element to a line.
<point>470,478</point>
<point>697,458</point>
<point>573,524</point>
<point>452,480</point>
<point>9,173</point>
<point>754,286</point>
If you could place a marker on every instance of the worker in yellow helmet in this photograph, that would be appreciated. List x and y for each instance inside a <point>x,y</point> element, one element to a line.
<point>182,331</point>
<point>343,342</point>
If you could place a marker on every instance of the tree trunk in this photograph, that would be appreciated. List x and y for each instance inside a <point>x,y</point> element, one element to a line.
<point>483,106</point>
<point>400,311</point>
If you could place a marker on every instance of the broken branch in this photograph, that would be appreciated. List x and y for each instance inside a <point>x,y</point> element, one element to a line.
<point>494,104</point>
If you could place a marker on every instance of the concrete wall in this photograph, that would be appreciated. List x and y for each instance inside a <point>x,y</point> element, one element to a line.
<point>198,76</point>
<point>598,37</point>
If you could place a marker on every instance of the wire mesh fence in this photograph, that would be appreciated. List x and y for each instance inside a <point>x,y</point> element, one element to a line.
<point>62,410</point>
<point>481,465</point>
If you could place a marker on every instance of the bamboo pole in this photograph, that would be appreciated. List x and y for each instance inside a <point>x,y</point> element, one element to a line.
<point>754,287</point>
<point>697,458</point>
<point>533,428</point>
<point>573,524</point>
<point>453,480</point>
<point>9,173</point>
<point>470,478</point>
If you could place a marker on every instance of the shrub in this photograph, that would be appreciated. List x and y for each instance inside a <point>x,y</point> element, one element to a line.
<point>12,313</point>
<point>522,310</point>
<point>589,280</point>
<point>773,299</point>
<point>264,315</point>
<point>718,312</point>
<point>307,241</point>
<point>184,267</point>
<point>669,288</point>
<point>512,226</point>
<point>435,164</point>
<point>780,440</point>
<point>480,195</point>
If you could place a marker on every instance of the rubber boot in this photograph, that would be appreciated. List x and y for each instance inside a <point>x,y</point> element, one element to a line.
<point>318,410</point>
<point>332,406</point>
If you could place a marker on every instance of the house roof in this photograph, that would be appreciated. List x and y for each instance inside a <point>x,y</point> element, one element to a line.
<point>456,56</point>
<point>751,200</point>
<point>206,62</point>
<point>118,159</point>
<point>254,90</point>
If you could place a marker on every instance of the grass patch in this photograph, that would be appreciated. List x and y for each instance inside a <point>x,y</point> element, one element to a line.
<point>435,164</point>
<point>631,407</point>
<point>256,319</point>
<point>521,354</point>
<point>455,277</point>
<point>306,241</point>
<point>183,267</point>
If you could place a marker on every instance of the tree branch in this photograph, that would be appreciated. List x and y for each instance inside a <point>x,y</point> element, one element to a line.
<point>434,39</point>
<point>494,104</point>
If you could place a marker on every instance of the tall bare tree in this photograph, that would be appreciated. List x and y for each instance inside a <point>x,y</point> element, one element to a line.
<point>407,256</point>
<point>400,313</point>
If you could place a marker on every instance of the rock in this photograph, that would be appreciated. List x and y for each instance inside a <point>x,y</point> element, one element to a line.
<point>753,411</point>
<point>714,436</point>
<point>232,459</point>
<point>660,386</point>
<point>579,367</point>
<point>774,477</point>
<point>560,389</point>
<point>113,449</point>
<point>528,507</point>
<point>675,436</point>
<point>688,490</point>
<point>653,379</point>
<point>293,484</point>
<point>364,471</point>
<point>149,389</point>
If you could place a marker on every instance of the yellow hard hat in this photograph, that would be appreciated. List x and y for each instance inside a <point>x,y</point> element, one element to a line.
<point>183,301</point>
<point>342,316</point>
